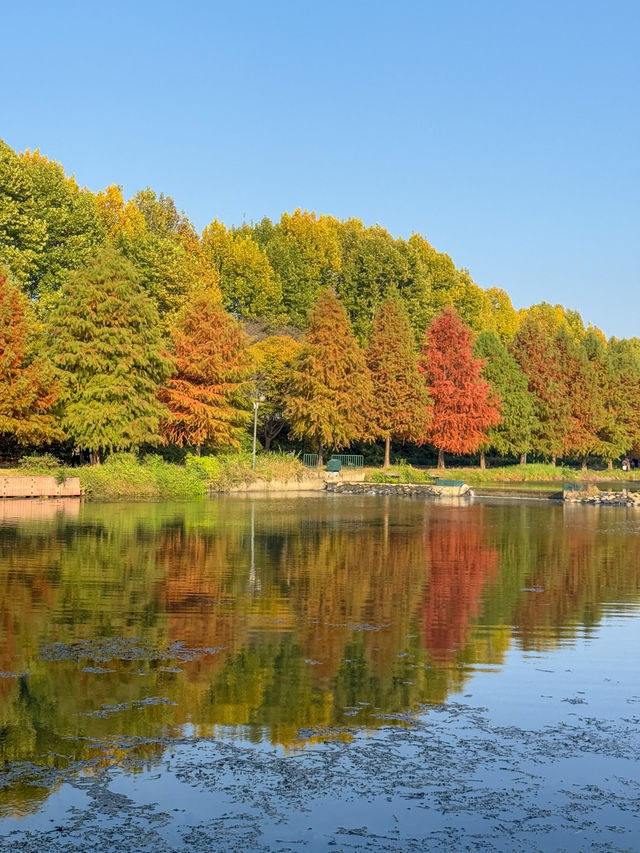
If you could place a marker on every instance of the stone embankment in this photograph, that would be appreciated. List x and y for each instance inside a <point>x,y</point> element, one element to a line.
<point>39,487</point>
<point>407,490</point>
<point>594,496</point>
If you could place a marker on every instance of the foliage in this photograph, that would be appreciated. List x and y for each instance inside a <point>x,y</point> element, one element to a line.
<point>402,409</point>
<point>206,398</point>
<point>273,359</point>
<point>512,435</point>
<point>109,355</point>
<point>249,286</point>
<point>304,252</point>
<point>330,390</point>
<point>225,471</point>
<point>28,389</point>
<point>464,406</point>
<point>123,475</point>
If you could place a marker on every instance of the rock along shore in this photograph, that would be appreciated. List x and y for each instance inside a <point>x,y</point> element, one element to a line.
<point>408,490</point>
<point>594,496</point>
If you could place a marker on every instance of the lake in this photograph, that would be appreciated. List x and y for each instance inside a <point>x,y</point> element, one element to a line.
<point>312,673</point>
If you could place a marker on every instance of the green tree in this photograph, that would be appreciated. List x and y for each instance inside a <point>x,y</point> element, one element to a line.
<point>371,264</point>
<point>402,408</point>
<point>330,391</point>
<point>28,389</point>
<point>249,286</point>
<point>304,252</point>
<point>105,342</point>
<point>207,397</point>
<point>512,436</point>
<point>23,232</point>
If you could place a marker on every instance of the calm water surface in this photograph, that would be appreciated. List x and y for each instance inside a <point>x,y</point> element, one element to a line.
<point>322,673</point>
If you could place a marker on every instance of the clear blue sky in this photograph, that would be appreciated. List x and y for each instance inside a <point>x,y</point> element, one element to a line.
<point>506,132</point>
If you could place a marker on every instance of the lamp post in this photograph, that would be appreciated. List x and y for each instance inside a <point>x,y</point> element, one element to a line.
<point>256,403</point>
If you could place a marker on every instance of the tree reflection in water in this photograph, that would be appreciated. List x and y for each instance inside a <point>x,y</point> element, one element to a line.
<point>318,614</point>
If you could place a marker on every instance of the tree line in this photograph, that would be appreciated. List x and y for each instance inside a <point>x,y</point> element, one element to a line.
<point>123,328</point>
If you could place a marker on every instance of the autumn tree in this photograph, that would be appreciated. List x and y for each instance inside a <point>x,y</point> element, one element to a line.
<point>330,388</point>
<point>304,252</point>
<point>464,406</point>
<point>512,435</point>
<point>249,286</point>
<point>207,397</point>
<point>104,339</point>
<point>534,349</point>
<point>28,389</point>
<point>273,359</point>
<point>372,263</point>
<point>402,409</point>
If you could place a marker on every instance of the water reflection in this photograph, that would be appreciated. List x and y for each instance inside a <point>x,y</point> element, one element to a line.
<point>284,619</point>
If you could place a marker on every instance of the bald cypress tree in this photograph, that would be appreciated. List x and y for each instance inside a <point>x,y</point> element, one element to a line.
<point>330,389</point>
<point>402,409</point>
<point>464,406</point>
<point>512,436</point>
<point>28,389</point>
<point>207,397</point>
<point>105,342</point>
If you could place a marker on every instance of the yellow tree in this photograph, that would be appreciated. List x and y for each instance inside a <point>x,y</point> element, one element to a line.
<point>273,360</point>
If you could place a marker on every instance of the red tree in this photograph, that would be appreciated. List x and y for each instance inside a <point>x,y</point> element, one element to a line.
<point>463,403</point>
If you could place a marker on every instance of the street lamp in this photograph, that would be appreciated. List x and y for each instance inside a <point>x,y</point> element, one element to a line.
<point>256,402</point>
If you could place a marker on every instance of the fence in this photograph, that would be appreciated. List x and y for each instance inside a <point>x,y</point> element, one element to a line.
<point>348,460</point>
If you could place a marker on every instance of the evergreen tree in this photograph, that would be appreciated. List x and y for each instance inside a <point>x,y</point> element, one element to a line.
<point>330,389</point>
<point>512,436</point>
<point>105,342</point>
<point>28,389</point>
<point>207,397</point>
<point>463,404</point>
<point>402,409</point>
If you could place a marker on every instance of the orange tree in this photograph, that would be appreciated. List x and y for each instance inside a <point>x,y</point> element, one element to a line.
<point>402,408</point>
<point>27,386</point>
<point>207,396</point>
<point>330,388</point>
<point>464,406</point>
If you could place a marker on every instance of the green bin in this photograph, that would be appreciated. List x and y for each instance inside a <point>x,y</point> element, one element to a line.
<point>334,465</point>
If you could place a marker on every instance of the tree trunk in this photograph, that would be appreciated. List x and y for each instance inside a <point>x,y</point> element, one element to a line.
<point>267,442</point>
<point>523,458</point>
<point>553,460</point>
<point>387,451</point>
<point>610,465</point>
<point>583,465</point>
<point>320,463</point>
<point>440,458</point>
<point>198,450</point>
<point>483,461</point>
<point>94,457</point>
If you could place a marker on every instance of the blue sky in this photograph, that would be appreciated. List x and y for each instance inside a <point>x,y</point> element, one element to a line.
<point>506,132</point>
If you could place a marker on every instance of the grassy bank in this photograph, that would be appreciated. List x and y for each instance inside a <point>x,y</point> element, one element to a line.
<point>123,475</point>
<point>534,473</point>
